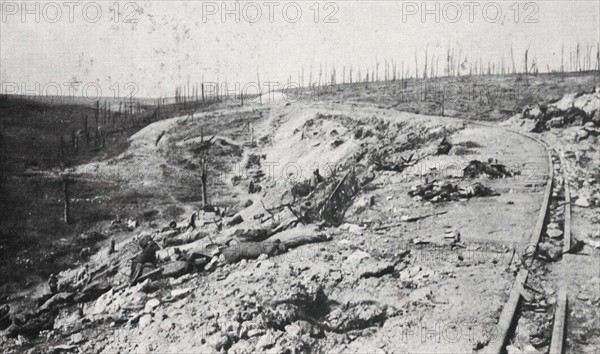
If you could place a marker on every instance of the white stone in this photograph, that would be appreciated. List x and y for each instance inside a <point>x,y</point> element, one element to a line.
<point>358,256</point>
<point>151,305</point>
<point>145,320</point>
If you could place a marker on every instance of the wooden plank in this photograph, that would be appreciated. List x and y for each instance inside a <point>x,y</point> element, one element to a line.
<point>505,322</point>
<point>539,225</point>
<point>567,228</point>
<point>560,319</point>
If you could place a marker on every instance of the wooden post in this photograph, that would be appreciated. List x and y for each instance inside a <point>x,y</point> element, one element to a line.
<point>67,216</point>
<point>131,109</point>
<point>97,116</point>
<point>203,180</point>
<point>87,131</point>
<point>258,85</point>
<point>526,80</point>
<point>62,149</point>
<point>443,94</point>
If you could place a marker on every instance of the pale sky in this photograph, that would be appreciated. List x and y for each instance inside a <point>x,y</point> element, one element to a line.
<point>176,41</point>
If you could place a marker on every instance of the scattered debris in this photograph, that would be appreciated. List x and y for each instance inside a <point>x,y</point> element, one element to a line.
<point>159,137</point>
<point>439,191</point>
<point>488,169</point>
<point>444,146</point>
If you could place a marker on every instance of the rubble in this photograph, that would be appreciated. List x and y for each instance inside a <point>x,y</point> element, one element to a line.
<point>439,191</point>
<point>444,146</point>
<point>488,169</point>
<point>573,109</point>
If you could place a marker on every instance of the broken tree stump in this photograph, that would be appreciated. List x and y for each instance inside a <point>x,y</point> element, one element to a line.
<point>203,178</point>
<point>67,210</point>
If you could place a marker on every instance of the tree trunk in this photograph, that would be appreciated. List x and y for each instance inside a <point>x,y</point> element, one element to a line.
<point>62,149</point>
<point>203,180</point>
<point>67,216</point>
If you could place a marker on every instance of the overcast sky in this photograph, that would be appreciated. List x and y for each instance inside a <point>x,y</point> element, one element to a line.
<point>176,41</point>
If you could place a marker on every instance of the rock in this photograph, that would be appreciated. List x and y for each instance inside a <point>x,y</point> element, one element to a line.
<point>181,279</point>
<point>581,134</point>
<point>132,224</point>
<point>358,256</point>
<point>236,220</point>
<point>293,330</point>
<point>102,303</point>
<point>419,241</point>
<point>416,272</point>
<point>175,269</point>
<point>582,202</point>
<point>232,328</point>
<point>357,316</point>
<point>56,300</point>
<point>364,202</point>
<point>219,341</point>
<point>527,125</point>
<point>255,332</point>
<point>594,243</point>
<point>532,113</point>
<point>266,341</point>
<point>66,320</point>
<point>376,269</point>
<point>63,348</point>
<point>262,257</point>
<point>596,118</point>
<point>527,349</point>
<point>145,320</point>
<point>212,265</point>
<point>353,228</point>
<point>241,347</point>
<point>554,233</point>
<point>454,236</point>
<point>92,291</point>
<point>76,338</point>
<point>301,327</point>
<point>556,122</point>
<point>180,293</point>
<point>549,251</point>
<point>151,305</point>
<point>167,325</point>
<point>135,318</point>
<point>251,235</point>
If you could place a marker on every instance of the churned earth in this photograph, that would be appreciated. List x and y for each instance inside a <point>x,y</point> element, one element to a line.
<point>399,273</point>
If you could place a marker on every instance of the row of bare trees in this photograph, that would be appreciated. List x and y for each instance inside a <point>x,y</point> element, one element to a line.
<point>453,62</point>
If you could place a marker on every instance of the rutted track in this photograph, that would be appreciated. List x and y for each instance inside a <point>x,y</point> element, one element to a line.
<point>514,309</point>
